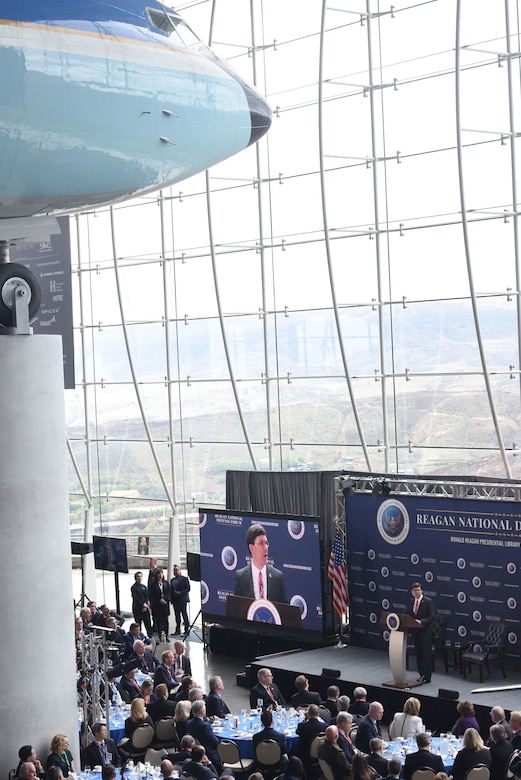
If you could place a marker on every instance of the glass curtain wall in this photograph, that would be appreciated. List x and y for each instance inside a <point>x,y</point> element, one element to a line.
<point>343,295</point>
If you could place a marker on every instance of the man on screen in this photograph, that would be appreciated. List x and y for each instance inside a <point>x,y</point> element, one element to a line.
<point>260,580</point>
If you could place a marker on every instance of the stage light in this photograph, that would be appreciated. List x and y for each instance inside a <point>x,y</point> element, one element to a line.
<point>346,485</point>
<point>381,488</point>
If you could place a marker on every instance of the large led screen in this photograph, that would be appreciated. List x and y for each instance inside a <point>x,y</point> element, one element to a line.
<point>286,600</point>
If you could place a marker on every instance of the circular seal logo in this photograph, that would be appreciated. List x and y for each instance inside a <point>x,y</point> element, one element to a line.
<point>511,567</point>
<point>205,593</point>
<point>476,581</point>
<point>203,517</point>
<point>393,621</point>
<point>371,555</point>
<point>263,611</point>
<point>384,571</point>
<point>229,558</point>
<point>462,597</point>
<point>476,616</point>
<point>511,603</point>
<point>512,638</point>
<point>296,529</point>
<point>372,586</point>
<point>385,604</point>
<point>461,563</point>
<point>462,631</point>
<point>415,558</point>
<point>429,576</point>
<point>300,602</point>
<point>373,617</point>
<point>393,521</point>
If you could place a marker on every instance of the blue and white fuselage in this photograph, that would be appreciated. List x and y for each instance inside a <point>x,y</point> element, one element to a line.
<point>102,101</point>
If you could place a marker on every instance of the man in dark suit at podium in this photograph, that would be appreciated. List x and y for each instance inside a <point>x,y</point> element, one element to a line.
<point>421,609</point>
<point>260,580</point>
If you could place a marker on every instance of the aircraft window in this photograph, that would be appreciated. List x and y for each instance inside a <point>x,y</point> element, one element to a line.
<point>172,25</point>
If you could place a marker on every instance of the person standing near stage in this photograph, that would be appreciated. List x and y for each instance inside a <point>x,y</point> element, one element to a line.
<point>180,596</point>
<point>140,603</point>
<point>421,609</point>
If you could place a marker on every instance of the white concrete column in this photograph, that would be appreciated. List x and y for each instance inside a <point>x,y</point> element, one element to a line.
<point>37,652</point>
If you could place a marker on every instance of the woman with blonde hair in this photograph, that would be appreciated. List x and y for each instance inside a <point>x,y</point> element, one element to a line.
<point>466,720</point>
<point>60,754</point>
<point>138,716</point>
<point>181,716</point>
<point>407,723</point>
<point>471,754</point>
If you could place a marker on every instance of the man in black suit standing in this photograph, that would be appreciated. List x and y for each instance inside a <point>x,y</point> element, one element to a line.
<point>267,691</point>
<point>260,580</point>
<point>422,757</point>
<point>180,596</point>
<point>421,608</point>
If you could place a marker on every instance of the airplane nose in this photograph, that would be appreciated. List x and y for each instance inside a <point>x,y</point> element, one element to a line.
<point>260,113</point>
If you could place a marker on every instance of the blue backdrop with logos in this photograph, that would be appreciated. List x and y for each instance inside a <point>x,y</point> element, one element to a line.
<point>466,553</point>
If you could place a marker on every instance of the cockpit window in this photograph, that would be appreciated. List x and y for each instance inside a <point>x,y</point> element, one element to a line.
<point>171,24</point>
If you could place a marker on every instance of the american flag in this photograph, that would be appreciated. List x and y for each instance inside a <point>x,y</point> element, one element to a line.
<point>337,572</point>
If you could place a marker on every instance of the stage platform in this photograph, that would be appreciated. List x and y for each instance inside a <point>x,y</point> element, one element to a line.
<point>370,668</point>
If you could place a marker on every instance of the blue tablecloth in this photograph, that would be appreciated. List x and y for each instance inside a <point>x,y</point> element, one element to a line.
<point>446,748</point>
<point>250,724</point>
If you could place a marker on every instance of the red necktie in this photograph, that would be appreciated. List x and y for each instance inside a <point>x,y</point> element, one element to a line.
<point>261,586</point>
<point>416,605</point>
<point>271,693</point>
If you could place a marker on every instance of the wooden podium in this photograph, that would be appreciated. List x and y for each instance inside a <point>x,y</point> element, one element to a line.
<point>398,625</point>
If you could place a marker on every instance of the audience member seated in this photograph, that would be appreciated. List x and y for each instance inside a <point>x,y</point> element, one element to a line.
<point>146,692</point>
<point>108,772</point>
<point>266,691</point>
<point>422,757</point>
<point>360,769</point>
<point>60,755</point>
<point>473,752</point>
<point>147,662</point>
<point>182,714</point>
<point>369,726</point>
<point>102,750</point>
<point>333,755</point>
<point>163,707</point>
<point>86,617</point>
<point>498,718</point>
<point>167,769</point>
<point>138,716</point>
<point>182,664</point>
<point>130,637</point>
<point>359,706</point>
<point>294,770</point>
<point>164,673</point>
<point>215,705</point>
<point>344,721</point>
<point>116,633</point>
<point>198,764</point>
<point>28,753</point>
<point>307,730</point>
<point>500,751</point>
<point>187,683</point>
<point>196,694</point>
<point>466,720</point>
<point>395,768</point>
<point>331,702</point>
<point>27,771</point>
<point>129,686</point>
<point>375,758</point>
<point>54,773</point>
<point>515,725</point>
<point>203,733</point>
<point>187,743</point>
<point>304,696</point>
<point>268,732</point>
<point>407,723</point>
